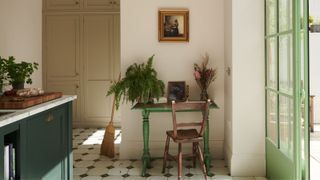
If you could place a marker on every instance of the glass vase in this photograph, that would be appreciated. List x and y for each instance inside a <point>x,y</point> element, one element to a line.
<point>204,95</point>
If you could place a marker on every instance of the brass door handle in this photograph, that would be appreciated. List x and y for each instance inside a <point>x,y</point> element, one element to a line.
<point>49,118</point>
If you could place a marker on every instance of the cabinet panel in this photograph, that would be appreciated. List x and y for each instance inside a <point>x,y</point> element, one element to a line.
<point>99,4</point>
<point>62,46</point>
<point>97,104</point>
<point>68,88</point>
<point>99,66</point>
<point>63,4</point>
<point>116,5</point>
<point>44,152</point>
<point>98,45</point>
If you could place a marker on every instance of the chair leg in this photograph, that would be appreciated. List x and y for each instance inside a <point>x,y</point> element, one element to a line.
<point>194,153</point>
<point>165,155</point>
<point>203,166</point>
<point>179,162</point>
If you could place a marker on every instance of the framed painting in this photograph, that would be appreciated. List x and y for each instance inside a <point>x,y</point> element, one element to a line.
<point>173,25</point>
<point>176,91</point>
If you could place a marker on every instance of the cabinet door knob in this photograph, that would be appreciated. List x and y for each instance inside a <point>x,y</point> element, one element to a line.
<point>49,118</point>
<point>77,2</point>
<point>111,2</point>
<point>77,86</point>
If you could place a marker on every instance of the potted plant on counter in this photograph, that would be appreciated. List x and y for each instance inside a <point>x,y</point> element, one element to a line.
<point>3,72</point>
<point>140,84</point>
<point>19,73</point>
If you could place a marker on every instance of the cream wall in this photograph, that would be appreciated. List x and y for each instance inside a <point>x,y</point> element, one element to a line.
<point>245,117</point>
<point>21,32</point>
<point>315,73</point>
<point>174,62</point>
<point>314,10</point>
<point>228,80</point>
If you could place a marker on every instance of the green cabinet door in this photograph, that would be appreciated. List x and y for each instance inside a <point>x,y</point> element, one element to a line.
<point>45,150</point>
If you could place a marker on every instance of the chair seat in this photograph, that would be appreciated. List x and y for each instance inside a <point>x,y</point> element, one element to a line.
<point>186,135</point>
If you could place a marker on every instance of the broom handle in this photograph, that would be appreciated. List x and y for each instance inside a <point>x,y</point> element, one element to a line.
<point>114,103</point>
<point>112,112</point>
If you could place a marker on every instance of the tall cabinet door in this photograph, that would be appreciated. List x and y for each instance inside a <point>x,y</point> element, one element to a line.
<point>68,88</point>
<point>62,56</point>
<point>62,47</point>
<point>98,53</point>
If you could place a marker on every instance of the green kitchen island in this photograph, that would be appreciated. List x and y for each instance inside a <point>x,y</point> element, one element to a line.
<point>41,137</point>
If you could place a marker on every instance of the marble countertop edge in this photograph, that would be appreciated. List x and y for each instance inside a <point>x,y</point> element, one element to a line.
<point>18,114</point>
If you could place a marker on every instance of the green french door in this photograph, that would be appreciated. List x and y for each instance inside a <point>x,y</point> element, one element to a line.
<point>287,89</point>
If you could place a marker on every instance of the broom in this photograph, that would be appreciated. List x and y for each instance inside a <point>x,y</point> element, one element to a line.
<point>107,146</point>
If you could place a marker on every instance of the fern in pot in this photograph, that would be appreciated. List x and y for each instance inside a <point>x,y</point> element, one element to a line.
<point>140,84</point>
<point>20,73</point>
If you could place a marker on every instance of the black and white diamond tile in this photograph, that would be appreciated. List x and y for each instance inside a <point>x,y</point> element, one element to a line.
<point>90,165</point>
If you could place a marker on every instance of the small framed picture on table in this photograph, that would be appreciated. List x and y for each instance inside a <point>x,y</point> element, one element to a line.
<point>176,91</point>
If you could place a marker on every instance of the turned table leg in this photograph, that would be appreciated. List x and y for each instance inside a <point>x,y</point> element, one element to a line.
<point>207,156</point>
<point>146,153</point>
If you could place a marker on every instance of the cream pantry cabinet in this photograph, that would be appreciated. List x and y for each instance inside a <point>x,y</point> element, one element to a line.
<point>82,5</point>
<point>82,56</point>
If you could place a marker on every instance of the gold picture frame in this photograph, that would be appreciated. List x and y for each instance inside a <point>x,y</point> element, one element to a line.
<point>173,25</point>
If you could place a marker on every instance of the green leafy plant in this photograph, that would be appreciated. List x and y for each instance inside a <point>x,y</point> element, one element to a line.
<point>3,71</point>
<point>20,72</point>
<point>311,20</point>
<point>140,84</point>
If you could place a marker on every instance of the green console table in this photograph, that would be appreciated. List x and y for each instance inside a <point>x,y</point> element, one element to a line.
<point>166,107</point>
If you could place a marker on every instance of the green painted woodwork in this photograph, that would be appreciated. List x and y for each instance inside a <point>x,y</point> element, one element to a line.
<point>279,167</point>
<point>9,134</point>
<point>44,144</point>
<point>287,141</point>
<point>166,107</point>
<point>45,151</point>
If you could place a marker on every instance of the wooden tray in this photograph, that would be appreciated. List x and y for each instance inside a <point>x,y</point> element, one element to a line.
<point>9,102</point>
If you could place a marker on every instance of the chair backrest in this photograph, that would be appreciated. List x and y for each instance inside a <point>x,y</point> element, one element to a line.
<point>202,106</point>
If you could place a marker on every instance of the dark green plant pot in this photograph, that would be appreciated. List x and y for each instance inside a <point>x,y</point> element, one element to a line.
<point>18,85</point>
<point>1,87</point>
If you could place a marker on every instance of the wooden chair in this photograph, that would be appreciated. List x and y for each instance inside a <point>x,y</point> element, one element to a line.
<point>183,133</point>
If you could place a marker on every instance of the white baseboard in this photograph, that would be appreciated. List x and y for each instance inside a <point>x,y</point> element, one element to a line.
<point>248,165</point>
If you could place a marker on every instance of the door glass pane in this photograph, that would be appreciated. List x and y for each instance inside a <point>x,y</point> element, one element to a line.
<point>285,15</point>
<point>286,64</point>
<point>286,125</point>
<point>272,74</point>
<point>272,130</point>
<point>271,18</point>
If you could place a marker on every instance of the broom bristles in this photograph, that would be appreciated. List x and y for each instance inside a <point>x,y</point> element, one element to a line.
<point>107,146</point>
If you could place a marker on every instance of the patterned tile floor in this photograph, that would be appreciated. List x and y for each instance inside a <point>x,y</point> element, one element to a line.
<point>89,164</point>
